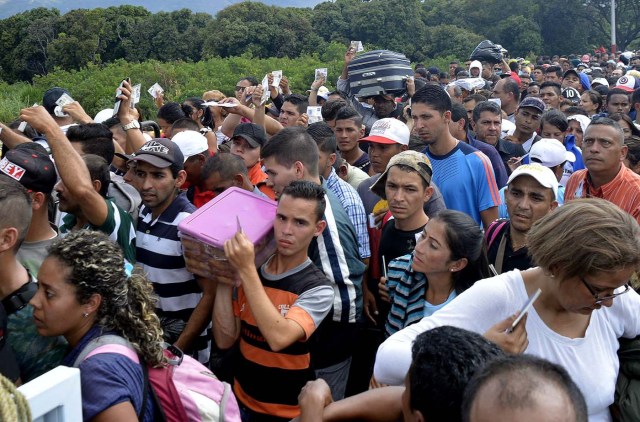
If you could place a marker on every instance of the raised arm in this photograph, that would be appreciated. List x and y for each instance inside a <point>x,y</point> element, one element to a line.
<point>71,167</point>
<point>10,138</point>
<point>313,95</point>
<point>135,139</point>
<point>278,331</point>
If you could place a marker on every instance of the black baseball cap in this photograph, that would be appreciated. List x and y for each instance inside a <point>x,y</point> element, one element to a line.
<point>30,165</point>
<point>533,102</point>
<point>568,71</point>
<point>252,133</point>
<point>51,96</point>
<point>161,153</point>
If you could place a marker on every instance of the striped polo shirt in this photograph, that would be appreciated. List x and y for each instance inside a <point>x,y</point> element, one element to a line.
<point>118,225</point>
<point>159,253</point>
<point>623,190</point>
<point>466,179</point>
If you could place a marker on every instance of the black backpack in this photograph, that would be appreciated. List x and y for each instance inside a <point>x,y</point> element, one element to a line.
<point>626,405</point>
<point>8,363</point>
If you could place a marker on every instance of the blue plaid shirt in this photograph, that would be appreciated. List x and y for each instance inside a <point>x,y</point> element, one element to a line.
<point>354,207</point>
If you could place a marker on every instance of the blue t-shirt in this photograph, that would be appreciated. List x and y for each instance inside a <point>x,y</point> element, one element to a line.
<point>108,379</point>
<point>466,179</point>
<point>430,309</point>
<point>493,155</point>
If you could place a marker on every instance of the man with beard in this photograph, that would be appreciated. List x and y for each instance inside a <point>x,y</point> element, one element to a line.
<point>184,301</point>
<point>487,123</point>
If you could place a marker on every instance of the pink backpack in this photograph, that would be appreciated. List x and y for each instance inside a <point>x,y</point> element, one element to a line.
<point>184,390</point>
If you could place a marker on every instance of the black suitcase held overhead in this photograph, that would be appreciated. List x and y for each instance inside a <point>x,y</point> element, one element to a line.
<point>379,72</point>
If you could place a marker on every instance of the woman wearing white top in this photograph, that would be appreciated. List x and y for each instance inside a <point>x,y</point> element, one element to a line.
<point>586,251</point>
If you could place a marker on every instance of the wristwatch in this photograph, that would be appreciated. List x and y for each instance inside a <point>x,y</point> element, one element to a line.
<point>134,124</point>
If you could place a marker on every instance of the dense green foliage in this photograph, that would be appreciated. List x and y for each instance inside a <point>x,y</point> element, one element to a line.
<point>90,51</point>
<point>41,40</point>
<point>94,86</point>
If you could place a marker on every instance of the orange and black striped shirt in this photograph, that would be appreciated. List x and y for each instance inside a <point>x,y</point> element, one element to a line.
<point>269,382</point>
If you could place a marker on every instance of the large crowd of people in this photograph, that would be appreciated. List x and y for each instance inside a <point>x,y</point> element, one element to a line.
<point>411,228</point>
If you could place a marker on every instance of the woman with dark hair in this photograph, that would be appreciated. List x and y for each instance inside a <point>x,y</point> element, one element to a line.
<point>591,102</point>
<point>167,115</point>
<point>218,114</point>
<point>625,122</point>
<point>448,259</point>
<point>84,292</point>
<point>201,114</point>
<point>632,160</point>
<point>585,253</point>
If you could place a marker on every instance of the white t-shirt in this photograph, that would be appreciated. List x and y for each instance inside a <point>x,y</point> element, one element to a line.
<point>591,361</point>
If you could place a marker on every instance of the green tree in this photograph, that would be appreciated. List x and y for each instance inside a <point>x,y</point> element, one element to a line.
<point>24,39</point>
<point>519,35</point>
<point>627,20</point>
<point>565,33</point>
<point>396,26</point>
<point>451,40</point>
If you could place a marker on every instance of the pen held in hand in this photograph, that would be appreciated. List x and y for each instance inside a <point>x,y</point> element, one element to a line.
<point>521,158</point>
<point>238,222</point>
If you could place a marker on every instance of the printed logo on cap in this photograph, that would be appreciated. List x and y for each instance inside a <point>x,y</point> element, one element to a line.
<point>623,80</point>
<point>11,169</point>
<point>154,147</point>
<point>380,127</point>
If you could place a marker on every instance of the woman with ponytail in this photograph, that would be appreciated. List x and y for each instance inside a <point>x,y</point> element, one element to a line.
<point>84,292</point>
<point>201,114</point>
<point>450,257</point>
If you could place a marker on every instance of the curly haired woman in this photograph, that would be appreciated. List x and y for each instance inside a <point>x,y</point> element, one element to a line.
<point>84,292</point>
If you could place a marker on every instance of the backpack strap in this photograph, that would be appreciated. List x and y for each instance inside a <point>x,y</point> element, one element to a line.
<point>106,340</point>
<point>493,231</point>
<point>21,297</point>
<point>110,343</point>
<point>223,401</point>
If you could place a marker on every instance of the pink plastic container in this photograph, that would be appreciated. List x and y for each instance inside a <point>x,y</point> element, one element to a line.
<point>204,232</point>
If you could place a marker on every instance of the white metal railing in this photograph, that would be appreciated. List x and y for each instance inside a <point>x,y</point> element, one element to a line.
<point>55,396</point>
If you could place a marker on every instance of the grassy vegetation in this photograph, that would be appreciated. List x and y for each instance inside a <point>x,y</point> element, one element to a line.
<point>94,86</point>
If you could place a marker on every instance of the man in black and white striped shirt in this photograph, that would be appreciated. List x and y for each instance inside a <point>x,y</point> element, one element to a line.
<point>184,301</point>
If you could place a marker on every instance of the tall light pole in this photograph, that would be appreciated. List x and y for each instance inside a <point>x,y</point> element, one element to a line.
<point>613,26</point>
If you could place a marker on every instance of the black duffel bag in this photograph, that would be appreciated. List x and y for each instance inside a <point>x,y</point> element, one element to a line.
<point>487,51</point>
<point>379,72</point>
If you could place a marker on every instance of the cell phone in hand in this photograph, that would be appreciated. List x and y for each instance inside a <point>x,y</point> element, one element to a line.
<point>116,106</point>
<point>525,309</point>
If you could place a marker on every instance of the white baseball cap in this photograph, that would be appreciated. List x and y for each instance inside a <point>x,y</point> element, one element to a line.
<point>627,83</point>
<point>103,115</point>
<point>388,131</point>
<point>601,81</point>
<point>550,153</point>
<point>190,143</point>
<point>323,92</point>
<point>542,174</point>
